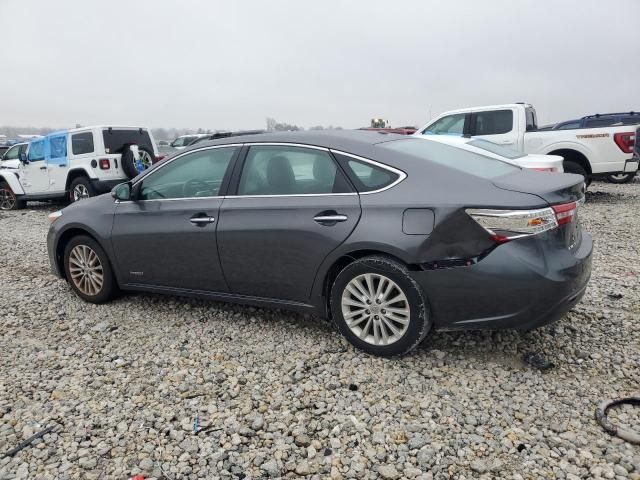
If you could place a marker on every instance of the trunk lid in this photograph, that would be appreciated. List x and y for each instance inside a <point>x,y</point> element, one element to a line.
<point>554,188</point>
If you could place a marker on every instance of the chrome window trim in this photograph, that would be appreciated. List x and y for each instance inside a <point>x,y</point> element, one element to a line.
<point>346,194</point>
<point>401,175</point>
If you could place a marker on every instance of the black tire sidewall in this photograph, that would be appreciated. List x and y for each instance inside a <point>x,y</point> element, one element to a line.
<point>108,286</point>
<point>572,167</point>
<point>420,319</point>
<point>127,160</point>
<point>627,178</point>
<point>81,181</point>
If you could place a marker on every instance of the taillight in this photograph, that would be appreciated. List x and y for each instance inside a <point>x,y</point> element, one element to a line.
<point>104,164</point>
<point>565,212</point>
<point>625,141</point>
<point>506,225</point>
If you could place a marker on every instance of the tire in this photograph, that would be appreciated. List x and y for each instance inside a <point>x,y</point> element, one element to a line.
<point>8,199</point>
<point>80,189</point>
<point>573,167</point>
<point>362,332</point>
<point>129,164</point>
<point>81,252</point>
<point>621,177</point>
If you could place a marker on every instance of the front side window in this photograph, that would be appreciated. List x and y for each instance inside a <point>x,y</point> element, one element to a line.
<point>494,122</point>
<point>449,125</point>
<point>36,150</point>
<point>13,153</point>
<point>284,170</point>
<point>82,143</point>
<point>195,175</point>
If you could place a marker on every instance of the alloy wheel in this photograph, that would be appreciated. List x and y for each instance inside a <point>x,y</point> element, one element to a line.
<point>145,159</point>
<point>7,199</point>
<point>80,192</point>
<point>375,309</point>
<point>86,270</point>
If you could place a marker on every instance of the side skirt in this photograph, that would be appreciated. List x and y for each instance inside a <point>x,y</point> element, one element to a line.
<point>226,297</point>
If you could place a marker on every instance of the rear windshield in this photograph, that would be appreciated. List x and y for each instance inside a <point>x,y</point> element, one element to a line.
<point>509,153</point>
<point>453,157</point>
<point>116,140</point>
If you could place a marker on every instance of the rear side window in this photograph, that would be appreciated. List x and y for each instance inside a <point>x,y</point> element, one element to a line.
<point>82,143</point>
<point>532,122</point>
<point>600,122</point>
<point>493,123</point>
<point>283,170</point>
<point>449,125</point>
<point>453,157</point>
<point>569,126</point>
<point>117,140</point>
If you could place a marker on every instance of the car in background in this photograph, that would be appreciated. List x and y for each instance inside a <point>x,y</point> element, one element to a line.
<point>541,163</point>
<point>76,164</point>
<point>163,143</point>
<point>398,130</point>
<point>11,157</point>
<point>389,236</point>
<point>226,134</point>
<point>591,152</point>
<point>4,148</point>
<point>602,120</point>
<point>184,141</point>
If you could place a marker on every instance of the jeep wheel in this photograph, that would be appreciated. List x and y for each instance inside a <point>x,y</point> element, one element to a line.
<point>8,200</point>
<point>80,189</point>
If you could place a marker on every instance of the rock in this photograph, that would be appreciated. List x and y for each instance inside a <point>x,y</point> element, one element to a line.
<point>302,468</point>
<point>388,472</point>
<point>271,468</point>
<point>302,440</point>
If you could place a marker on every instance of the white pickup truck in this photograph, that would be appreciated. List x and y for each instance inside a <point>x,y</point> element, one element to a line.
<point>591,152</point>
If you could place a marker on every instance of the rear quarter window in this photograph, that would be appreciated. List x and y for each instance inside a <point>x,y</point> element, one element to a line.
<point>366,176</point>
<point>452,157</point>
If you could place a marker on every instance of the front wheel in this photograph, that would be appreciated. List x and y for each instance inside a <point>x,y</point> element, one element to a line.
<point>88,270</point>
<point>621,177</point>
<point>80,189</point>
<point>378,307</point>
<point>8,199</point>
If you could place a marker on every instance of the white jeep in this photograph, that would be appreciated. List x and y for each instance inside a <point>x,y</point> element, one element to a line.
<point>76,164</point>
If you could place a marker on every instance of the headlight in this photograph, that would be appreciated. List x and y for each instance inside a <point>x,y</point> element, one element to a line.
<point>53,216</point>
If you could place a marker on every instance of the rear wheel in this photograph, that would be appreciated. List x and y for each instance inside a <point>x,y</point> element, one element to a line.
<point>8,199</point>
<point>621,177</point>
<point>80,189</point>
<point>573,167</point>
<point>88,270</point>
<point>378,307</point>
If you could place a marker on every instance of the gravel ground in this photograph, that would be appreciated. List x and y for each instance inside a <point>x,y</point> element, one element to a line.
<point>283,395</point>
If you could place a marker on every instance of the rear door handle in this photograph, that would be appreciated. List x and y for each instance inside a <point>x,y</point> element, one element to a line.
<point>201,221</point>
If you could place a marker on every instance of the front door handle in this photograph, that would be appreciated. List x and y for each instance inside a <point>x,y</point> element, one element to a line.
<point>329,218</point>
<point>202,221</point>
<point>43,168</point>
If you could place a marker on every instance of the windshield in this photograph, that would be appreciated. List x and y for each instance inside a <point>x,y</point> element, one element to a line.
<point>453,157</point>
<point>506,152</point>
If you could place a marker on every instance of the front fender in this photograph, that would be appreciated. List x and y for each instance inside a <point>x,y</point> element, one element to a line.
<point>11,178</point>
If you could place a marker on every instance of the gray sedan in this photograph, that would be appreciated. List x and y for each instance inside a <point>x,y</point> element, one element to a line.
<point>388,236</point>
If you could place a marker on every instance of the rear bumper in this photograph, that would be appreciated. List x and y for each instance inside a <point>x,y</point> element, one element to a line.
<point>104,186</point>
<point>523,284</point>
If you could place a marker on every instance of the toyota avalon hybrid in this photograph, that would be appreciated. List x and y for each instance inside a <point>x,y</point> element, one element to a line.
<point>388,236</point>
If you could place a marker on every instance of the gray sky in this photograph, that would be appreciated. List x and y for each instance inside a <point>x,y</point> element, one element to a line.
<point>228,64</point>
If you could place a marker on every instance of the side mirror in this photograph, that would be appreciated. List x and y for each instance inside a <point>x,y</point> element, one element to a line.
<point>23,157</point>
<point>122,191</point>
